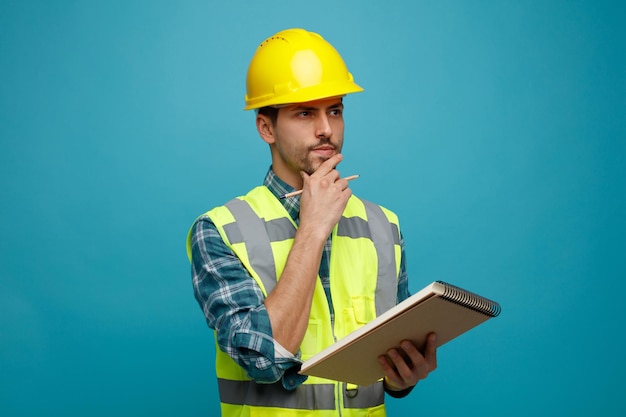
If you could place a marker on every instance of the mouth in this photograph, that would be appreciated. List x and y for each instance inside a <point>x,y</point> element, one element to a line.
<point>325,151</point>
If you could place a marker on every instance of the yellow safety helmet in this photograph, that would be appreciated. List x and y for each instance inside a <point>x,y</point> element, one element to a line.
<point>296,66</point>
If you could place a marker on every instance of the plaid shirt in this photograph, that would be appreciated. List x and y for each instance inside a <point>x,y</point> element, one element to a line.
<point>233,303</point>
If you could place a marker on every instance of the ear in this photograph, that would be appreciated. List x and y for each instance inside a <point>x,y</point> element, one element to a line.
<point>265,128</point>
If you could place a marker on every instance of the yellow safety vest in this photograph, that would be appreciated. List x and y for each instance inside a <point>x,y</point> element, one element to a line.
<point>364,269</point>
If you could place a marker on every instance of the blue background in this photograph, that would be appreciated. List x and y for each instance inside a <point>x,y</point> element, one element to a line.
<point>494,129</point>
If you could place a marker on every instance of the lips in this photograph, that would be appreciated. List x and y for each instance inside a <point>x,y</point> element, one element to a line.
<point>324,150</point>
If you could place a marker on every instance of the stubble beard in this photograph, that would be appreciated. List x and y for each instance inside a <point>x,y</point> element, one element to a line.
<point>303,159</point>
<point>310,163</point>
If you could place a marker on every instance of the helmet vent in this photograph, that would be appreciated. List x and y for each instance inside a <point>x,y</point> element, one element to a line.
<point>273,38</point>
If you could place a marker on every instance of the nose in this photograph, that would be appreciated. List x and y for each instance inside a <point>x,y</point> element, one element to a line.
<point>322,127</point>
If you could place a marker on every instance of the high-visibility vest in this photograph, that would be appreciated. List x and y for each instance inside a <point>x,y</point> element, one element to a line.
<point>364,269</point>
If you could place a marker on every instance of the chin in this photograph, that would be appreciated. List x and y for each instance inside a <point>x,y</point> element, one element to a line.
<point>315,164</point>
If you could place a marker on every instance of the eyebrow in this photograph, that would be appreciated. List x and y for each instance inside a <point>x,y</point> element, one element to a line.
<point>310,108</point>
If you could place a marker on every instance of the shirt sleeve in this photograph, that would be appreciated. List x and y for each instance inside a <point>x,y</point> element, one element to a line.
<point>233,306</point>
<point>403,278</point>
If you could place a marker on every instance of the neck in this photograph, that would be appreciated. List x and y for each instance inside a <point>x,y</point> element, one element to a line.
<point>287,174</point>
<point>289,177</point>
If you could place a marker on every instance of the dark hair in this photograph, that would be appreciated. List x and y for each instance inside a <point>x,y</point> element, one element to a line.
<point>271,112</point>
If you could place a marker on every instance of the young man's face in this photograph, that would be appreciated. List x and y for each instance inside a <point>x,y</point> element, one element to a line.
<point>304,136</point>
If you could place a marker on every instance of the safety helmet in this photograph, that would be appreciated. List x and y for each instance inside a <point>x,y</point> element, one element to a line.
<point>296,66</point>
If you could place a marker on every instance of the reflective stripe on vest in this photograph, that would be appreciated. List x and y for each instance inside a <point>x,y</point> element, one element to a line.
<point>257,235</point>
<point>306,397</point>
<point>384,240</point>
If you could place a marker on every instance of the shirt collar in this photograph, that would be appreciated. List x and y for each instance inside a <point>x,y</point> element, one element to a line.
<point>279,188</point>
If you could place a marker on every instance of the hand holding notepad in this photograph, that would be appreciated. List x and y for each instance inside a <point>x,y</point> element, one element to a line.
<point>441,308</point>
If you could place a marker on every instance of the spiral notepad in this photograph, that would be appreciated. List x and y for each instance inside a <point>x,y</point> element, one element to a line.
<point>440,307</point>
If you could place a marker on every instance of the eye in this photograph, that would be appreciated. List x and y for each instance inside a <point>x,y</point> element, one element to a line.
<point>335,112</point>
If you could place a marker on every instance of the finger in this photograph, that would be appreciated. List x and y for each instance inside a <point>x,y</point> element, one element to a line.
<point>417,364</point>
<point>328,180</point>
<point>343,183</point>
<point>384,363</point>
<point>390,372</point>
<point>430,352</point>
<point>402,367</point>
<point>328,165</point>
<point>334,175</point>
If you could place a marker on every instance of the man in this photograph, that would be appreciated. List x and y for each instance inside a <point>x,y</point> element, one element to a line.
<point>279,279</point>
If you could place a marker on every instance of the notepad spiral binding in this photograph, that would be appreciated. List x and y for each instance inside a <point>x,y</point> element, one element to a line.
<point>470,300</point>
